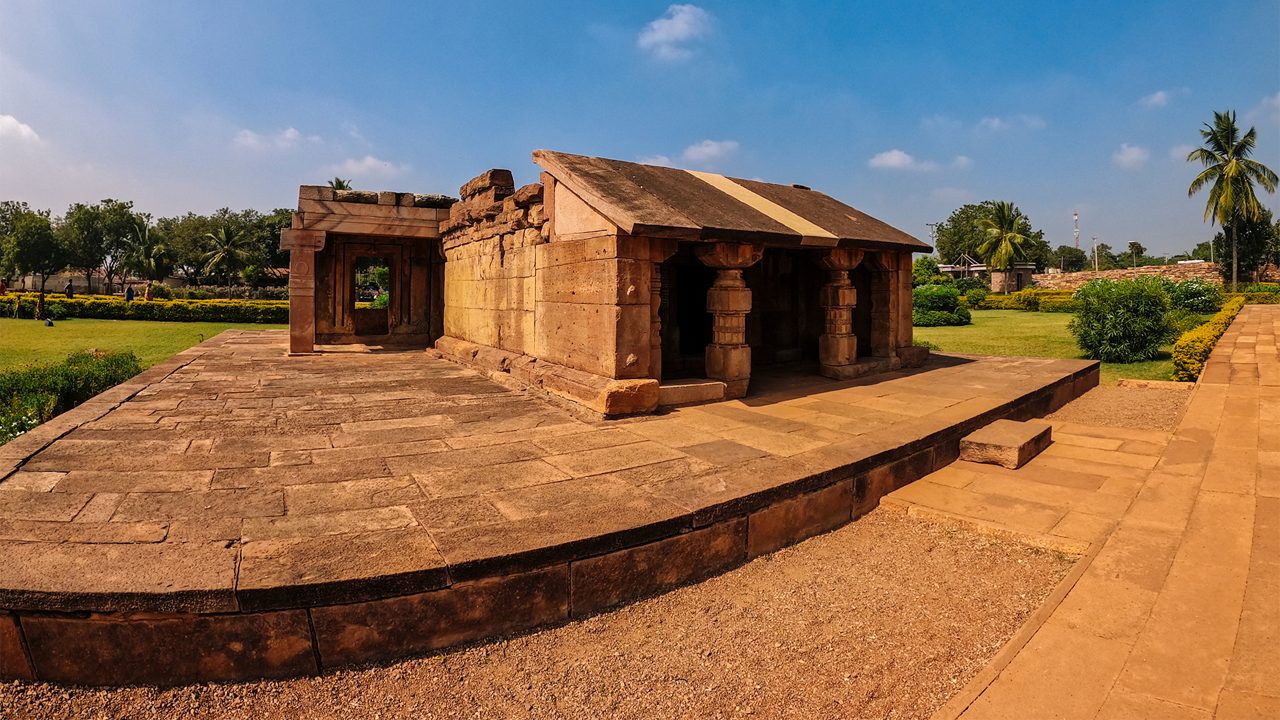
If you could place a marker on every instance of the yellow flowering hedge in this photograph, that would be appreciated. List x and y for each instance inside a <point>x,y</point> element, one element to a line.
<point>1191,351</point>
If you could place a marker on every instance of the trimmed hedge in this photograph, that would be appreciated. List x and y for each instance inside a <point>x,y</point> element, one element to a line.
<point>32,395</point>
<point>1192,350</point>
<point>1259,298</point>
<point>1065,305</point>
<point>934,305</point>
<point>109,307</point>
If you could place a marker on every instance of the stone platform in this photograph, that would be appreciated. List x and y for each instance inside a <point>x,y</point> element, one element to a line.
<point>233,513</point>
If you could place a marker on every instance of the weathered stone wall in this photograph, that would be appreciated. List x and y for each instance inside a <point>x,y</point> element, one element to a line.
<point>1071,281</point>
<point>489,242</point>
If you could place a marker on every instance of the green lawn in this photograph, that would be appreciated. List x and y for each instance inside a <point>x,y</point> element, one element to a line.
<point>1034,334</point>
<point>29,341</point>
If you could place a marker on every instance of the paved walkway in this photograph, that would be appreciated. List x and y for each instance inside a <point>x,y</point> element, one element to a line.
<point>1175,611</point>
<point>275,516</point>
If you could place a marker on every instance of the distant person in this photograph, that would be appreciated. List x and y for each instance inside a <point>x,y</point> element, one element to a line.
<point>128,293</point>
<point>69,291</point>
<point>146,293</point>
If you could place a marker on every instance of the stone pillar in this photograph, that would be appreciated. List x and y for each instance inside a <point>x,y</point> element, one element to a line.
<point>659,251</point>
<point>838,346</point>
<point>729,300</point>
<point>302,246</point>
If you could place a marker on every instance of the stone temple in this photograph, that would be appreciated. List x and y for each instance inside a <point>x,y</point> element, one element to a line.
<point>617,286</point>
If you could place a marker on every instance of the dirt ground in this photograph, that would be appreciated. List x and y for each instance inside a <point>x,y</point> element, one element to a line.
<point>884,618</point>
<point>1153,408</point>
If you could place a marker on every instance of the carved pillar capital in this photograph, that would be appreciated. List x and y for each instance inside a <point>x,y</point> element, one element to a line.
<point>729,255</point>
<point>842,259</point>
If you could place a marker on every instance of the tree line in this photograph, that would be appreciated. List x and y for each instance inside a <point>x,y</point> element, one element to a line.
<point>998,234</point>
<point>117,241</point>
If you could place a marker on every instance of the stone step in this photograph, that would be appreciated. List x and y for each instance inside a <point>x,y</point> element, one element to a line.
<point>1009,443</point>
<point>690,392</point>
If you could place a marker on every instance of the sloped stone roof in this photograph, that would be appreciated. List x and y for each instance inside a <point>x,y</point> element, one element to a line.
<point>657,201</point>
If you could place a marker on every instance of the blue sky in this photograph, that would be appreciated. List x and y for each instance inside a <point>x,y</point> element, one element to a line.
<point>904,110</point>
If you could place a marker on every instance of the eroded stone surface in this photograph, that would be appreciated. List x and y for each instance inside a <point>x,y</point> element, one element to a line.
<point>1006,442</point>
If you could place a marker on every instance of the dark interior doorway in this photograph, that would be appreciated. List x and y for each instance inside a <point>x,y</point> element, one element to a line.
<point>863,311</point>
<point>786,319</point>
<point>686,324</point>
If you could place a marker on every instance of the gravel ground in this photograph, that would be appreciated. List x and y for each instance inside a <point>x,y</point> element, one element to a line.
<point>884,618</point>
<point>1131,407</point>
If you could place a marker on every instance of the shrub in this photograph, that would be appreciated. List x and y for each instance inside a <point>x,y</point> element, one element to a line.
<point>32,395</point>
<point>975,297</point>
<point>1273,288</point>
<point>967,285</point>
<point>1026,300</point>
<point>934,305</point>
<point>1121,321</point>
<point>109,307</point>
<point>1184,320</point>
<point>381,301</point>
<point>1261,298</point>
<point>935,297</point>
<point>925,344</point>
<point>1196,296</point>
<point>1058,305</point>
<point>1192,350</point>
<point>936,318</point>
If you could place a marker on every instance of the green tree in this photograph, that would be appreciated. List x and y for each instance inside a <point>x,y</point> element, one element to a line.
<point>1135,252</point>
<point>185,239</point>
<point>146,255</point>
<point>1003,244</point>
<point>82,235</point>
<point>339,184</point>
<point>1255,242</point>
<point>962,234</point>
<point>1230,174</point>
<point>229,251</point>
<point>923,270</point>
<point>33,248</point>
<point>1204,251</point>
<point>1070,259</point>
<point>118,220</point>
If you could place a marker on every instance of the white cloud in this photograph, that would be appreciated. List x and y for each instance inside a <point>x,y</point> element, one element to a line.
<point>962,162</point>
<point>896,159</point>
<point>1022,120</point>
<point>1178,153</point>
<point>671,36</point>
<point>283,140</point>
<point>1157,99</point>
<point>709,151</point>
<point>1161,98</point>
<point>1266,111</point>
<point>1130,157</point>
<point>662,160</point>
<point>367,166</point>
<point>14,130</point>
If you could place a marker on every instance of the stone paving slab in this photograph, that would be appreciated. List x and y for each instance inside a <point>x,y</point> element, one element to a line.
<point>232,479</point>
<point>1176,609</point>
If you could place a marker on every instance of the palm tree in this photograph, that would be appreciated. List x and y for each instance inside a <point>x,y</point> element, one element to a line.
<point>228,251</point>
<point>145,254</point>
<point>1003,228</point>
<point>339,184</point>
<point>1226,161</point>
